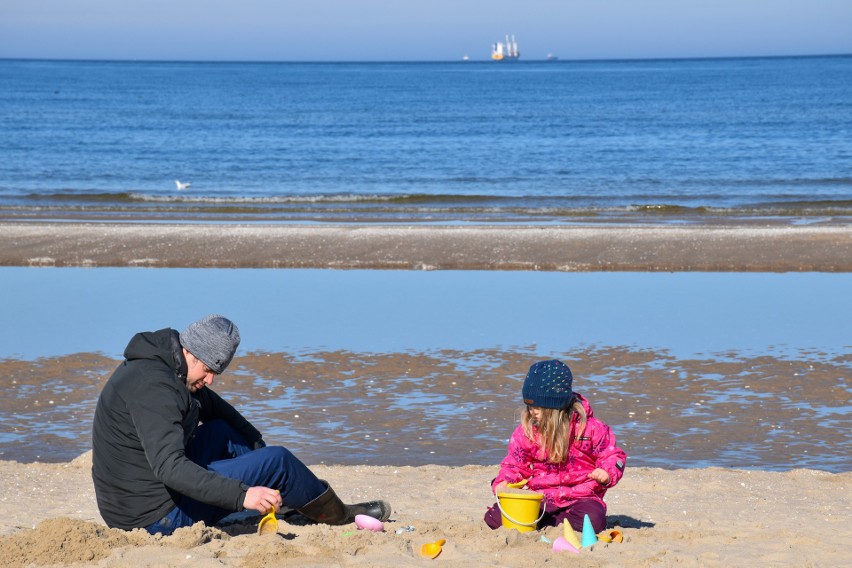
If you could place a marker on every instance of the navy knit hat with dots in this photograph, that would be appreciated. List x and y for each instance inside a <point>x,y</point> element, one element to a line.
<point>548,385</point>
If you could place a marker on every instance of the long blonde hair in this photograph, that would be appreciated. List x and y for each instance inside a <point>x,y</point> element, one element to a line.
<point>556,430</point>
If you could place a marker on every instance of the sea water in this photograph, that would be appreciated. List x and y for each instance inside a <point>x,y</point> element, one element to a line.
<point>461,142</point>
<point>60,311</point>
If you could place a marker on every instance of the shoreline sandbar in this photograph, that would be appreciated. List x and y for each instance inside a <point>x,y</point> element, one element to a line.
<point>710,248</point>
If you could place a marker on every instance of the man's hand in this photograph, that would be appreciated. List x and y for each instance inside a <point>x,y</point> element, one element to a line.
<point>262,499</point>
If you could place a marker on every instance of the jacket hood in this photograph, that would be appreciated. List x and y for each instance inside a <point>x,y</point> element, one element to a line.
<point>585,403</point>
<point>162,345</point>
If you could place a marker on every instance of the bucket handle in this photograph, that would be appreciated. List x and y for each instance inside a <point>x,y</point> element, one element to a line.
<point>532,524</point>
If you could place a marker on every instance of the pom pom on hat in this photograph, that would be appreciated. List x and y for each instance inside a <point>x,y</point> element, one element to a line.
<point>548,385</point>
<point>213,340</point>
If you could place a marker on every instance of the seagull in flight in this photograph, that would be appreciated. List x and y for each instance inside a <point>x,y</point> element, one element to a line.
<point>182,185</point>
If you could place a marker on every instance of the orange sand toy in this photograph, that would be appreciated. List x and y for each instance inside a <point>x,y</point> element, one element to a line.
<point>432,549</point>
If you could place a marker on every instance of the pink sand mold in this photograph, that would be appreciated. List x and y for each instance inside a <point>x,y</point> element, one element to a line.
<point>562,545</point>
<point>369,523</point>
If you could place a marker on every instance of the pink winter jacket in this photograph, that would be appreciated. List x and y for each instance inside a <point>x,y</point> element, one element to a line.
<point>564,483</point>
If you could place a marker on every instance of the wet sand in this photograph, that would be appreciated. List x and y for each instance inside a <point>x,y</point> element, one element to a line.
<point>686,517</point>
<point>458,408</point>
<point>742,247</point>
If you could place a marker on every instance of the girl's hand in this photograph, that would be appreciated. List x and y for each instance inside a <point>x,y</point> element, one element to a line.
<point>500,487</point>
<point>600,475</point>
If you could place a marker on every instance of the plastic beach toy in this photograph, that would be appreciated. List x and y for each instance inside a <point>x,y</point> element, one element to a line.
<point>520,510</point>
<point>367,522</point>
<point>562,545</point>
<point>432,549</point>
<point>570,535</point>
<point>589,536</point>
<point>268,524</point>
<point>518,484</point>
<point>611,535</point>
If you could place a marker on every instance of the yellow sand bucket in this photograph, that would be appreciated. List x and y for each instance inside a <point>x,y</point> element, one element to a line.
<point>520,510</point>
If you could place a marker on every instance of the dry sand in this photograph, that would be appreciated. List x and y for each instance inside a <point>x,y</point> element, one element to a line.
<point>687,517</point>
<point>708,247</point>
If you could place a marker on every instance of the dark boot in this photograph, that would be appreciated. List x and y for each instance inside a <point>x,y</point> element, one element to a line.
<point>329,509</point>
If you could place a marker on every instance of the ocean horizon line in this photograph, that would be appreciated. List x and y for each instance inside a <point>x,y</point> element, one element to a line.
<point>460,60</point>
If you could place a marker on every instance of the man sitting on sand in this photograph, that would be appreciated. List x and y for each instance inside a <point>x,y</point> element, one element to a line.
<point>169,452</point>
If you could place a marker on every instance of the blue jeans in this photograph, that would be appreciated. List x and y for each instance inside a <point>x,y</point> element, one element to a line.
<point>218,447</point>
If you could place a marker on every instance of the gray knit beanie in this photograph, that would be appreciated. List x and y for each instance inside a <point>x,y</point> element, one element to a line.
<point>213,340</point>
<point>548,385</point>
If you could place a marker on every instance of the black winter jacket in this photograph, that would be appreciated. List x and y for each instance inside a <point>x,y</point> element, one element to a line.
<point>144,418</point>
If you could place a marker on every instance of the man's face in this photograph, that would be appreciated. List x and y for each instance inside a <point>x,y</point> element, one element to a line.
<point>198,374</point>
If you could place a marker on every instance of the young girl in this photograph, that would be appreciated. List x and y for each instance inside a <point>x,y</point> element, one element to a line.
<point>562,450</point>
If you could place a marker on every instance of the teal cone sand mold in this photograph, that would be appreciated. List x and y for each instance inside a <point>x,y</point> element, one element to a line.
<point>589,536</point>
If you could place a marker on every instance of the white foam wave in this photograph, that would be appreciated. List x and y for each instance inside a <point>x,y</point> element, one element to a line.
<point>265,200</point>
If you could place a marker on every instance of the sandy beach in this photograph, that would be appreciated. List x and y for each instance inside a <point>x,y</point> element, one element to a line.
<point>709,247</point>
<point>692,517</point>
<point>686,517</point>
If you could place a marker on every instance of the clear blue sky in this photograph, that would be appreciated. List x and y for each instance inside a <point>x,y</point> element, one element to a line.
<point>406,30</point>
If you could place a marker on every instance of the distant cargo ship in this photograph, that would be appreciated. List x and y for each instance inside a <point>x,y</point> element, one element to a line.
<point>507,51</point>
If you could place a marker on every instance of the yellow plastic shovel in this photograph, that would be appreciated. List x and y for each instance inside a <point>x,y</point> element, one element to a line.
<point>432,549</point>
<point>268,524</point>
